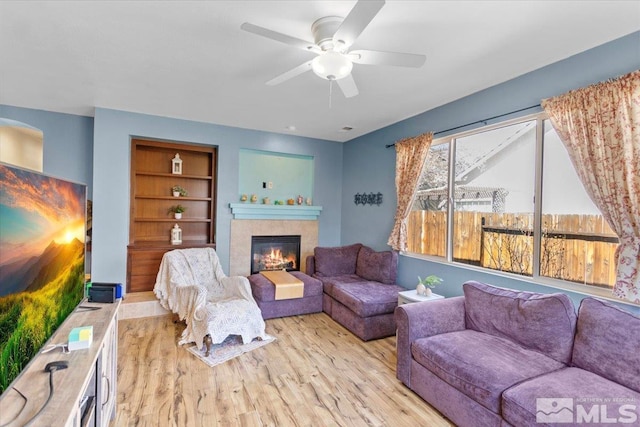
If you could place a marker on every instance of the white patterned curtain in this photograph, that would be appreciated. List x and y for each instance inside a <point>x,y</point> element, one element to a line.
<point>600,127</point>
<point>411,154</point>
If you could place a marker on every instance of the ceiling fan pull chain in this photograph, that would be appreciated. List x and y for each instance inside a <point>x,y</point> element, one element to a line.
<point>330,92</point>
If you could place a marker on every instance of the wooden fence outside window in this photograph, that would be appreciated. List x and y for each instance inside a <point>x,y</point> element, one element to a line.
<point>577,248</point>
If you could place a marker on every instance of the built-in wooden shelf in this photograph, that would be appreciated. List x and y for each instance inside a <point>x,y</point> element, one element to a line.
<point>172,175</point>
<point>176,199</point>
<point>150,224</point>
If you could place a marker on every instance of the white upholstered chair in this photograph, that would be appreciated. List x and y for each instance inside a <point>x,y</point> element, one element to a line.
<point>191,284</point>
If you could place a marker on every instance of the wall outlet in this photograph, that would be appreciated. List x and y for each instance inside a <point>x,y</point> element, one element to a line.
<point>270,185</point>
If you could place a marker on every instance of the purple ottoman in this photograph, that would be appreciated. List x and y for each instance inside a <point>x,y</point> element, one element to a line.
<point>264,293</point>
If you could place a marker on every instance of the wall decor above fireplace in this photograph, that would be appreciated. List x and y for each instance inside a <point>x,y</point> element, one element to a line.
<point>368,199</point>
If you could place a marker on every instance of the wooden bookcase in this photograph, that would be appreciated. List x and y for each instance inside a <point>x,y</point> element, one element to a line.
<point>151,197</point>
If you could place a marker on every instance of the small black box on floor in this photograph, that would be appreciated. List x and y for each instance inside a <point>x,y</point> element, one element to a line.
<point>102,293</point>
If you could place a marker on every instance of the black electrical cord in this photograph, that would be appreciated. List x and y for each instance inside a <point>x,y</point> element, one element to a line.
<point>51,370</point>
<point>26,400</point>
<point>87,308</point>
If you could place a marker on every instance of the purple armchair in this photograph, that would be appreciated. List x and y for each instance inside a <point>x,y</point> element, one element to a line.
<point>359,288</point>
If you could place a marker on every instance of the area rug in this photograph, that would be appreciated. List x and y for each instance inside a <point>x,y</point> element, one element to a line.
<point>228,349</point>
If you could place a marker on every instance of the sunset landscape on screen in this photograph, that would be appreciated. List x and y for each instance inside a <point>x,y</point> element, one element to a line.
<point>42,251</point>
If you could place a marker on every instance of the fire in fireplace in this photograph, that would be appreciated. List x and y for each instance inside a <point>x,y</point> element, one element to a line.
<point>275,253</point>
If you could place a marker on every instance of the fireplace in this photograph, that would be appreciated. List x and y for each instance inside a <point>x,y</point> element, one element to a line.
<point>275,253</point>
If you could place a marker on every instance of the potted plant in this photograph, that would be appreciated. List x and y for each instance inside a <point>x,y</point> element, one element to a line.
<point>425,285</point>
<point>177,211</point>
<point>178,191</point>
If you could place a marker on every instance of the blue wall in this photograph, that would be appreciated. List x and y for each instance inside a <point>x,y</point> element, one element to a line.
<point>369,166</point>
<point>68,142</point>
<point>112,135</point>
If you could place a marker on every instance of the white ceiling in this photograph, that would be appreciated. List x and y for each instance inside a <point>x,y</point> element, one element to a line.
<point>190,60</point>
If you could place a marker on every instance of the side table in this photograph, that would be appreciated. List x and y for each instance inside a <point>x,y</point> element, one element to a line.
<point>407,297</point>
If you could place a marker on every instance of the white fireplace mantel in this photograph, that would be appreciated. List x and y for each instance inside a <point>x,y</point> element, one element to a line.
<point>261,211</point>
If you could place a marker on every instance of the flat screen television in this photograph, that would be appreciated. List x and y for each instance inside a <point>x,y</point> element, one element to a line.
<point>42,257</point>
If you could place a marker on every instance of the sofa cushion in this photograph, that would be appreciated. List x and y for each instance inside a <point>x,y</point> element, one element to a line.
<point>608,342</point>
<point>377,266</point>
<point>540,322</point>
<point>336,261</point>
<point>367,299</point>
<point>328,283</point>
<point>480,365</point>
<point>520,406</point>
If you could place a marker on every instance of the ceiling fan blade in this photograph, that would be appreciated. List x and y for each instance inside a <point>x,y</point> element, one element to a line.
<point>373,57</point>
<point>302,68</point>
<point>356,21</point>
<point>348,86</point>
<point>279,37</point>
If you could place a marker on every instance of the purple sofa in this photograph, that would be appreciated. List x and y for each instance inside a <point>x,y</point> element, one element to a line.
<point>498,357</point>
<point>359,288</point>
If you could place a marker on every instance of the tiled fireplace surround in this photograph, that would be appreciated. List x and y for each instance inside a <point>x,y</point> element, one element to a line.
<point>144,304</point>
<point>243,229</point>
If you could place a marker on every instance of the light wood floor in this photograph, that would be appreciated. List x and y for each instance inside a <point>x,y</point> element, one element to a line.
<point>316,374</point>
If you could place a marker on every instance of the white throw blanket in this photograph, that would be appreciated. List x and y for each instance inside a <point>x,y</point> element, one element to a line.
<point>191,284</point>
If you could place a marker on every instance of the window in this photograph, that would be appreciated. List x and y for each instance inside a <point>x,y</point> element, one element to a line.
<point>494,176</point>
<point>428,218</point>
<point>577,243</point>
<point>497,165</point>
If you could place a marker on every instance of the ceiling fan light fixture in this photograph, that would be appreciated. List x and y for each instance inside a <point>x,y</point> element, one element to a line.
<point>332,65</point>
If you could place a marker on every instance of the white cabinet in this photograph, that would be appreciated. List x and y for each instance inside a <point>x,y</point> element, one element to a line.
<point>107,378</point>
<point>84,393</point>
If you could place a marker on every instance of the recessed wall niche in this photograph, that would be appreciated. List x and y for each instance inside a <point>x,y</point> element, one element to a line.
<point>290,175</point>
<point>21,145</point>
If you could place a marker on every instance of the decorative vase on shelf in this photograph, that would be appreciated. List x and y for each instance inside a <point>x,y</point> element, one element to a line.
<point>254,198</point>
<point>244,198</point>
<point>266,201</point>
<point>177,215</point>
<point>421,289</point>
<point>176,194</point>
<point>427,292</point>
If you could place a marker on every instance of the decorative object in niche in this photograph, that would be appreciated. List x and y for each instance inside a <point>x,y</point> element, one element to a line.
<point>368,199</point>
<point>176,165</point>
<point>176,235</point>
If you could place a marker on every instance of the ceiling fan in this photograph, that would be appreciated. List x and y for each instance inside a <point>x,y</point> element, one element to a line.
<point>333,36</point>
